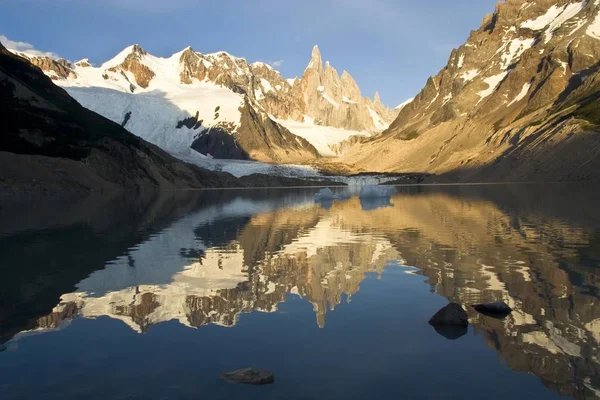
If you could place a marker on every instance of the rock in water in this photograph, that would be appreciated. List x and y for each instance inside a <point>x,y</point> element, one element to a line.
<point>324,194</point>
<point>451,332</point>
<point>375,192</point>
<point>451,315</point>
<point>495,310</point>
<point>249,376</point>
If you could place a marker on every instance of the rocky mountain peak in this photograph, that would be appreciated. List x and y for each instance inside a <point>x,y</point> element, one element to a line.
<point>315,60</point>
<point>132,62</point>
<point>137,49</point>
<point>83,63</point>
<point>377,99</point>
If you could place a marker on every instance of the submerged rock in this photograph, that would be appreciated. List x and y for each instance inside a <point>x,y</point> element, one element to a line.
<point>324,194</point>
<point>495,310</point>
<point>451,315</point>
<point>451,332</point>
<point>249,376</point>
<point>375,192</point>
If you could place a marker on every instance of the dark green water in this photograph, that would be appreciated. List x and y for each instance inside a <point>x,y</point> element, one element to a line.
<point>154,297</point>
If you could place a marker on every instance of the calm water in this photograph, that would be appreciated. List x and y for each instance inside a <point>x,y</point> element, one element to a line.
<point>154,297</point>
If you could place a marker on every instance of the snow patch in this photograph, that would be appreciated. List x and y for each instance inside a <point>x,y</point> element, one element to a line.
<point>262,64</point>
<point>330,100</point>
<point>461,61</point>
<point>469,75</point>
<point>493,82</point>
<point>569,12</point>
<point>521,94</point>
<point>563,65</point>
<point>378,122</point>
<point>266,85</point>
<point>516,48</point>
<point>554,18</point>
<point>543,20</point>
<point>321,137</point>
<point>593,29</point>
<point>404,104</point>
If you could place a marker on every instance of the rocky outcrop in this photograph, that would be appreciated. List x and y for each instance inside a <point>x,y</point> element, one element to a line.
<point>336,101</point>
<point>266,140</point>
<point>134,65</point>
<point>503,100</point>
<point>450,315</point>
<point>55,69</point>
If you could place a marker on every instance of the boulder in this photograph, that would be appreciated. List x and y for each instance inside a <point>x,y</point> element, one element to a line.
<point>495,310</point>
<point>450,315</point>
<point>451,332</point>
<point>249,376</point>
<point>324,195</point>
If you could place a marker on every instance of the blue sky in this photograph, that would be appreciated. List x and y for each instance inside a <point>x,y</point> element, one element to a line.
<point>391,46</point>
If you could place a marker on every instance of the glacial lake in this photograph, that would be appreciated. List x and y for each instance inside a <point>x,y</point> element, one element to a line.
<point>153,297</point>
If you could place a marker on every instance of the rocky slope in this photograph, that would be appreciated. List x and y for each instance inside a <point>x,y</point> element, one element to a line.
<point>517,101</point>
<point>216,105</point>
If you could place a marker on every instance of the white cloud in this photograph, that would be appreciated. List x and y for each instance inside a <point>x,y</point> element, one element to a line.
<point>25,47</point>
<point>276,64</point>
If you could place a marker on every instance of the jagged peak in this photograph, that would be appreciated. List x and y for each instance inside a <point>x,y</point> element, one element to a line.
<point>187,55</point>
<point>84,62</point>
<point>134,49</point>
<point>316,52</point>
<point>189,50</point>
<point>377,98</point>
<point>223,53</point>
<point>260,64</point>
<point>315,59</point>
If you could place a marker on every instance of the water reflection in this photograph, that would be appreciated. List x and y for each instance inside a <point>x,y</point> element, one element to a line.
<point>212,257</point>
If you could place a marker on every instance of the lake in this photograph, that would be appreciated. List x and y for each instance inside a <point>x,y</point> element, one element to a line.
<point>155,296</point>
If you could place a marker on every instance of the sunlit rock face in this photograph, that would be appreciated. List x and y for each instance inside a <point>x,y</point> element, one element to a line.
<point>217,264</point>
<point>515,102</point>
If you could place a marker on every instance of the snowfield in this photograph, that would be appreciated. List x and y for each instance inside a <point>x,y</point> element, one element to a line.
<point>322,137</point>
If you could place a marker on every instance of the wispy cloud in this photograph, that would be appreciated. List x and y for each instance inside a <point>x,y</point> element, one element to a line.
<point>138,6</point>
<point>25,47</point>
<point>276,64</point>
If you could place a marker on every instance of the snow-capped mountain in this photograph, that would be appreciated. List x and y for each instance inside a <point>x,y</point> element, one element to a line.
<point>221,106</point>
<point>518,101</point>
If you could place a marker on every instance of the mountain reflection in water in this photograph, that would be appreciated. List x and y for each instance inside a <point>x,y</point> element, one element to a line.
<point>207,258</point>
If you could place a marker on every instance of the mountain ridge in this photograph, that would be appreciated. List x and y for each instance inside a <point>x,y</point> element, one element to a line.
<point>286,118</point>
<point>516,102</point>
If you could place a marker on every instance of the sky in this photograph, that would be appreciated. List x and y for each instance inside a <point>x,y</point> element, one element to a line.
<point>390,46</point>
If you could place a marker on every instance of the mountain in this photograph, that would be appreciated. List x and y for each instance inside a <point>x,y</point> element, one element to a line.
<point>49,142</point>
<point>216,105</point>
<point>517,101</point>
